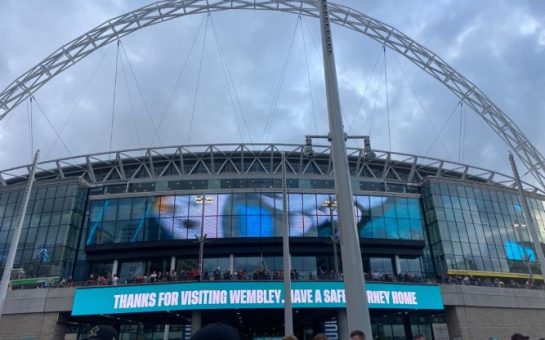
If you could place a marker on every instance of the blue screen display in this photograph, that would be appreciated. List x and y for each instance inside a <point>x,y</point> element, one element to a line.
<point>245,215</point>
<point>516,251</point>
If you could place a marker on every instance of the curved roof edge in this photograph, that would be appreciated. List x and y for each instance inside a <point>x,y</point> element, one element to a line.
<point>242,159</point>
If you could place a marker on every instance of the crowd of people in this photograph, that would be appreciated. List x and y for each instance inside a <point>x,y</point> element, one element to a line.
<point>227,332</point>
<point>490,282</point>
<point>214,331</point>
<point>262,273</point>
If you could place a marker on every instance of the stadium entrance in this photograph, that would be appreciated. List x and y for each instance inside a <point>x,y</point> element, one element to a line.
<point>255,308</point>
<point>259,324</point>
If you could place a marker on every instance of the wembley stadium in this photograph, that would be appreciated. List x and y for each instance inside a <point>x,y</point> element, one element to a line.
<point>159,242</point>
<point>425,226</point>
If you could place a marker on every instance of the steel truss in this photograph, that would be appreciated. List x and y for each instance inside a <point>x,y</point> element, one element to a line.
<point>251,160</point>
<point>116,28</point>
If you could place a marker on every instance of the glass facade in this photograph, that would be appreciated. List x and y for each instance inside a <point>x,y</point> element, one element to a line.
<point>142,219</point>
<point>469,226</point>
<point>478,228</point>
<point>51,229</point>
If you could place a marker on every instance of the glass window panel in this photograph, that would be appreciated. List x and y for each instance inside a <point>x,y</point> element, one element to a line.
<point>124,209</point>
<point>55,218</point>
<point>106,233</point>
<point>48,205</point>
<point>210,227</point>
<point>58,204</point>
<point>460,263</point>
<point>240,225</point>
<point>10,210</point>
<point>404,227</point>
<point>44,219</point>
<point>237,204</point>
<point>227,225</point>
<point>383,265</point>
<point>41,237</point>
<point>417,231</point>
<point>444,231</point>
<point>457,247</point>
<point>447,247</point>
<point>392,231</point>
<point>110,210</point>
<point>150,230</point>
<point>377,205</point>
<point>309,265</point>
<point>462,232</point>
<point>402,207</point>
<point>31,236</point>
<point>51,235</point>
<point>51,191</point>
<point>413,206</point>
<point>267,223</point>
<point>138,210</point>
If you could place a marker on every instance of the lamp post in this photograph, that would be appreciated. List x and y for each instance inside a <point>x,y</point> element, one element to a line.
<point>332,204</point>
<point>204,200</point>
<point>357,307</point>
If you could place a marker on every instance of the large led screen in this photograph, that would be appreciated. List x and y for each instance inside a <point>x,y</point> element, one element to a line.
<point>516,251</point>
<point>245,215</point>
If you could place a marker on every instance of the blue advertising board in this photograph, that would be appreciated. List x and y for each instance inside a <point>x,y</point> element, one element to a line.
<point>246,295</point>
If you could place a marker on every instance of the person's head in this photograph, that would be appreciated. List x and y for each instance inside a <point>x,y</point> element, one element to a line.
<point>216,331</point>
<point>320,336</point>
<point>289,337</point>
<point>357,335</point>
<point>102,332</point>
<point>419,337</point>
<point>518,336</point>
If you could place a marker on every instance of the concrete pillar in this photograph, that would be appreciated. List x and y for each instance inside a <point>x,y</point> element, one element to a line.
<point>166,331</point>
<point>115,266</point>
<point>196,321</point>
<point>173,263</point>
<point>397,265</point>
<point>231,263</point>
<point>344,332</point>
<point>407,326</point>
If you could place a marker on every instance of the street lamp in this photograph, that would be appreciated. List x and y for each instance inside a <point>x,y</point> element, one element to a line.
<point>332,204</point>
<point>204,200</point>
<point>527,259</point>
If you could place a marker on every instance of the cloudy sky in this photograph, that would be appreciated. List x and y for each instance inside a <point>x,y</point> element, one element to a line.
<point>257,77</point>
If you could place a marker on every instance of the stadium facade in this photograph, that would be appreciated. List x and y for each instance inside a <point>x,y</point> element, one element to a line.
<point>114,238</point>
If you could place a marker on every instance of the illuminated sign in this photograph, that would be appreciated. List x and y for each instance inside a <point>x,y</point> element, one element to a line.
<point>239,295</point>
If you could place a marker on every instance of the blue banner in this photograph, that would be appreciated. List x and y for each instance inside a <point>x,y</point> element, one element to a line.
<point>247,295</point>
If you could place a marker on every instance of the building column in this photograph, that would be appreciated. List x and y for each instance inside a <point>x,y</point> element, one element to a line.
<point>397,265</point>
<point>166,331</point>
<point>407,326</point>
<point>173,263</point>
<point>196,321</point>
<point>344,332</point>
<point>231,263</point>
<point>115,266</point>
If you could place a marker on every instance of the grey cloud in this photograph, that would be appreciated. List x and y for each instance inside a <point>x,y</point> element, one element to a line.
<point>255,45</point>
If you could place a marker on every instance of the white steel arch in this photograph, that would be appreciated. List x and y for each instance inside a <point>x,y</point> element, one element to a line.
<point>112,30</point>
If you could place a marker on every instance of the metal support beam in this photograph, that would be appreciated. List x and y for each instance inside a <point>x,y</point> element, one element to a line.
<point>288,310</point>
<point>16,235</point>
<point>527,215</point>
<point>354,282</point>
<point>202,236</point>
